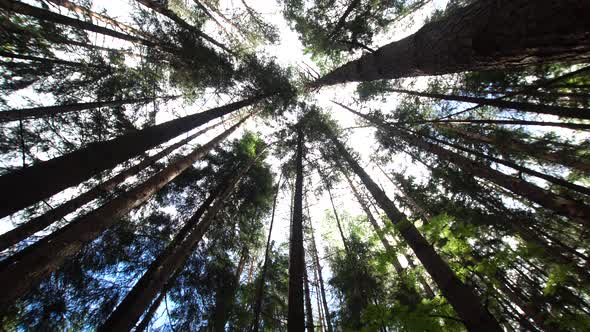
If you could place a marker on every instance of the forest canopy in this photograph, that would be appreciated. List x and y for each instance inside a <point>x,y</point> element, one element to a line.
<point>289,165</point>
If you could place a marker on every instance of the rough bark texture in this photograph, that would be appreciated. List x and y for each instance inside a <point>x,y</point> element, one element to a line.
<point>487,34</point>
<point>515,145</point>
<point>566,112</point>
<point>295,316</point>
<point>39,112</point>
<point>71,169</point>
<point>262,284</point>
<point>36,224</point>
<point>172,259</point>
<point>25,269</point>
<point>463,299</point>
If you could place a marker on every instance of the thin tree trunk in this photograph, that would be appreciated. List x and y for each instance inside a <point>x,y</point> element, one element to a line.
<point>296,316</point>
<point>575,210</point>
<point>317,295</point>
<point>481,36</point>
<point>147,318</point>
<point>515,145</point>
<point>316,257</point>
<point>463,298</point>
<point>225,294</point>
<point>162,9</point>
<point>36,224</point>
<point>566,112</point>
<point>45,111</point>
<point>173,257</point>
<point>342,20</point>
<point>262,284</point>
<point>309,326</point>
<point>46,15</point>
<point>71,169</point>
<point>47,61</point>
<point>344,242</point>
<point>25,269</point>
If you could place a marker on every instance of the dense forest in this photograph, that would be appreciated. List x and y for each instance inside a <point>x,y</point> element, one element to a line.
<point>290,165</point>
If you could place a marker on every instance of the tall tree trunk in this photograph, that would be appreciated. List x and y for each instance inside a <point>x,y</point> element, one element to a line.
<point>566,112</point>
<point>45,111</point>
<point>317,295</point>
<point>47,61</point>
<point>46,15</point>
<point>316,257</point>
<point>309,326</point>
<point>36,224</point>
<point>575,210</point>
<point>162,9</point>
<point>71,169</point>
<point>463,298</point>
<point>481,36</point>
<point>344,242</point>
<point>25,269</point>
<point>225,295</point>
<point>296,317</point>
<point>262,283</point>
<point>514,145</point>
<point>173,257</point>
<point>147,318</point>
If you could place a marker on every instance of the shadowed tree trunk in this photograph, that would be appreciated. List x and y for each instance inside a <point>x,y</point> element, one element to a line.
<point>309,326</point>
<point>296,316</point>
<point>45,111</point>
<point>344,242</point>
<point>71,169</point>
<point>173,257</point>
<point>463,298</point>
<point>262,284</point>
<point>27,268</point>
<point>481,36</point>
<point>39,223</point>
<point>48,62</point>
<point>566,112</point>
<point>575,210</point>
<point>514,145</point>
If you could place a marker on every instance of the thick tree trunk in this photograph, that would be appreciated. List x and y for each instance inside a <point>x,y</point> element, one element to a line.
<point>565,112</point>
<point>162,9</point>
<point>309,325</point>
<point>45,111</point>
<point>463,299</point>
<point>262,284</point>
<point>296,316</point>
<point>173,257</point>
<point>316,257</point>
<point>481,36</point>
<point>513,145</point>
<point>575,210</point>
<point>25,269</point>
<point>71,169</point>
<point>46,15</point>
<point>36,224</point>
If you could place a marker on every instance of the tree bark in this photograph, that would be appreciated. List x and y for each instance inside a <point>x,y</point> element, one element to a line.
<point>481,36</point>
<point>463,298</point>
<point>565,112</point>
<point>316,257</point>
<point>45,111</point>
<point>574,210</point>
<point>71,169</point>
<point>173,257</point>
<point>262,284</point>
<point>519,146</point>
<point>296,317</point>
<point>25,269</point>
<point>36,224</point>
<point>309,326</point>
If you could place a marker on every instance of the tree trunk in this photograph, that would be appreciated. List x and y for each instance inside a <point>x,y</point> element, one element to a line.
<point>344,242</point>
<point>46,61</point>
<point>27,268</point>
<point>162,9</point>
<point>481,36</point>
<point>36,224</point>
<point>225,295</point>
<point>317,296</point>
<point>296,317</point>
<point>309,326</point>
<point>71,169</point>
<point>173,257</point>
<point>463,299</point>
<point>262,284</point>
<point>316,257</point>
<point>46,15</point>
<point>518,146</point>
<point>565,112</point>
<point>575,210</point>
<point>45,111</point>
